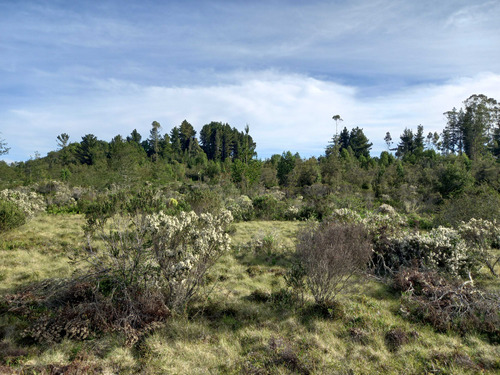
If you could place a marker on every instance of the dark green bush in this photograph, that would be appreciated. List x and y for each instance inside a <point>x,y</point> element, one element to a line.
<point>11,216</point>
<point>478,203</point>
<point>267,207</point>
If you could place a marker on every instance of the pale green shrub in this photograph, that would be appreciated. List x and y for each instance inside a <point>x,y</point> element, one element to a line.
<point>241,208</point>
<point>481,236</point>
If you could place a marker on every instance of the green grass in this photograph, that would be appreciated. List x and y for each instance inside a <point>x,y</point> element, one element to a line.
<point>229,332</point>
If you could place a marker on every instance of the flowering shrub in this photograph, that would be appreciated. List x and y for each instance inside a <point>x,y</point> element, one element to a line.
<point>30,203</point>
<point>58,195</point>
<point>441,248</point>
<point>292,212</point>
<point>481,236</point>
<point>165,253</point>
<point>374,222</point>
<point>345,215</point>
<point>456,251</point>
<point>241,208</point>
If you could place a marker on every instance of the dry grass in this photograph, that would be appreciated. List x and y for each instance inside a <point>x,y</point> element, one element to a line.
<point>229,333</point>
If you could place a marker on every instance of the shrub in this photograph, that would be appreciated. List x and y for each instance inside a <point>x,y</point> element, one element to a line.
<point>455,251</point>
<point>395,338</point>
<point>203,198</point>
<point>479,203</point>
<point>330,255</point>
<point>144,267</point>
<point>446,305</point>
<point>30,203</point>
<point>482,236</point>
<point>241,208</point>
<point>11,216</point>
<point>268,207</point>
<point>161,252</point>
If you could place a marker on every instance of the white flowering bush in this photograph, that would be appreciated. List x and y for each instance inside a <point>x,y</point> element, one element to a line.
<point>345,215</point>
<point>292,212</point>
<point>375,222</point>
<point>481,236</point>
<point>241,208</point>
<point>168,254</point>
<point>57,194</point>
<point>30,203</point>
<point>441,248</point>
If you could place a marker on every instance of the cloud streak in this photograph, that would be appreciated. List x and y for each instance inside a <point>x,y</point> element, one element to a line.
<point>283,67</point>
<point>284,111</point>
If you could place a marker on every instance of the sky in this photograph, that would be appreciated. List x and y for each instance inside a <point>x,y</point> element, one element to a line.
<point>282,67</point>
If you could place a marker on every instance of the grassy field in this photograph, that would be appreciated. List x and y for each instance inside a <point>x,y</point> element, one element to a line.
<point>245,325</point>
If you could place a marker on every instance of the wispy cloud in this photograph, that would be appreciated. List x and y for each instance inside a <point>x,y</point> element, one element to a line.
<point>284,67</point>
<point>285,112</point>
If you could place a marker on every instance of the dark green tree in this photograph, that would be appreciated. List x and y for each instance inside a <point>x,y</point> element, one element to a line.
<point>406,145</point>
<point>285,166</point>
<point>154,141</point>
<point>359,143</point>
<point>472,130</point>
<point>175,141</point>
<point>186,135</point>
<point>134,137</point>
<point>88,149</point>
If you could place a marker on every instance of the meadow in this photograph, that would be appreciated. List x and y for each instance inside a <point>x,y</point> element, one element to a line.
<point>246,321</point>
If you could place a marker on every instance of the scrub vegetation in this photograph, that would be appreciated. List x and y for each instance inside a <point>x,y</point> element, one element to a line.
<point>173,255</point>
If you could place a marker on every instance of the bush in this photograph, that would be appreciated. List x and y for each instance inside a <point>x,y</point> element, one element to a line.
<point>11,216</point>
<point>241,208</point>
<point>330,255</point>
<point>455,251</point>
<point>479,203</point>
<point>30,203</point>
<point>446,305</point>
<point>161,252</point>
<point>268,207</point>
<point>203,198</point>
<point>143,268</point>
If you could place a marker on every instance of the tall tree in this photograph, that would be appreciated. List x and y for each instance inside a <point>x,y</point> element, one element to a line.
<point>154,140</point>
<point>359,143</point>
<point>186,135</point>
<point>472,129</point>
<point>285,166</point>
<point>134,137</point>
<point>175,141</point>
<point>406,144</point>
<point>453,138</point>
<point>388,141</point>
<point>87,150</point>
<point>62,140</point>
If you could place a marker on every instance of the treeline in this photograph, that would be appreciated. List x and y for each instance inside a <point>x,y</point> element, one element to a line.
<point>419,173</point>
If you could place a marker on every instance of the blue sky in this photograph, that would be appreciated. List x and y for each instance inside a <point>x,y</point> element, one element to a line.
<point>282,67</point>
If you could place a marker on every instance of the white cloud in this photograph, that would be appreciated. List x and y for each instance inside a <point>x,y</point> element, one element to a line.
<point>284,111</point>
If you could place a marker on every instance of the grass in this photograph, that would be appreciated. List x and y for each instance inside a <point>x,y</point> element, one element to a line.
<point>232,332</point>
